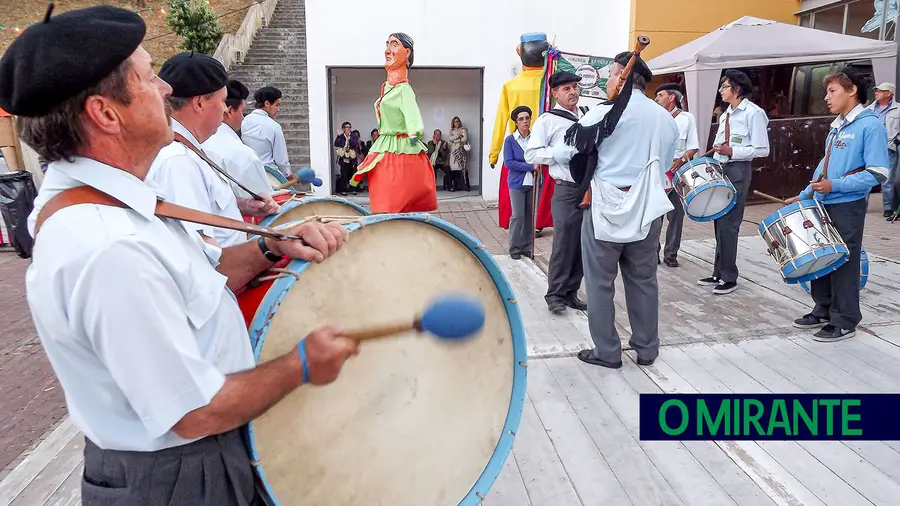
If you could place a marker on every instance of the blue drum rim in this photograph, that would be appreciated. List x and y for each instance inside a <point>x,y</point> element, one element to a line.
<point>863,271</point>
<point>698,161</point>
<point>277,292</point>
<point>718,215</point>
<point>824,271</point>
<point>276,174</point>
<point>309,200</point>
<point>772,218</point>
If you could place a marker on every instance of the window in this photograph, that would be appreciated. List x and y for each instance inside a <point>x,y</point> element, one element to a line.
<point>806,21</point>
<point>858,14</point>
<point>830,20</point>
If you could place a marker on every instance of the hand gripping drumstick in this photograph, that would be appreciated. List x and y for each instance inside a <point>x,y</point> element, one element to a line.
<point>306,176</point>
<point>642,42</point>
<point>449,318</point>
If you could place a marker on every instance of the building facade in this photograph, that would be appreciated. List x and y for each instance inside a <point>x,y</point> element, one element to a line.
<point>872,19</point>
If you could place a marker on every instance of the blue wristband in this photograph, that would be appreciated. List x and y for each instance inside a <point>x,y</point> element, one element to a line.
<point>301,350</point>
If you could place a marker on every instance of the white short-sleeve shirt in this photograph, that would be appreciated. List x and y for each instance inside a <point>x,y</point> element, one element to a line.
<point>190,182</point>
<point>138,325</point>
<point>226,149</point>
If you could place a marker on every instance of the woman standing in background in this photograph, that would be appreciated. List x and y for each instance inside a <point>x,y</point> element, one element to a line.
<point>459,155</point>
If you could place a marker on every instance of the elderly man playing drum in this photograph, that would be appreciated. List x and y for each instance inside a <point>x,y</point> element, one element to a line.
<point>856,159</point>
<point>134,311</point>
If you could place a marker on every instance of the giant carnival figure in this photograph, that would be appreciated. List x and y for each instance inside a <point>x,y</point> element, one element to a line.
<point>524,89</point>
<point>401,179</point>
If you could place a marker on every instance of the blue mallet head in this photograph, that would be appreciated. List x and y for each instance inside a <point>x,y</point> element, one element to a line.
<point>453,317</point>
<point>306,176</point>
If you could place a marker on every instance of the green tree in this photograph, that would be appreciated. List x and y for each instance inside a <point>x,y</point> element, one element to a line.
<point>196,23</point>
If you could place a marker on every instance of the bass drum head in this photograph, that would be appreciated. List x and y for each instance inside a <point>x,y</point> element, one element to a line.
<point>314,206</point>
<point>274,177</point>
<point>710,201</point>
<point>412,420</point>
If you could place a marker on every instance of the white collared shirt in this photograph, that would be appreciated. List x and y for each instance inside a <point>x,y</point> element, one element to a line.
<point>226,149</point>
<point>265,136</point>
<point>138,325</point>
<point>748,127</point>
<point>687,134</point>
<point>547,132</point>
<point>523,142</point>
<point>625,153</point>
<point>190,182</point>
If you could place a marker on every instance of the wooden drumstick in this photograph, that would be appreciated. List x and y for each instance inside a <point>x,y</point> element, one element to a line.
<point>769,197</point>
<point>450,318</point>
<point>640,44</point>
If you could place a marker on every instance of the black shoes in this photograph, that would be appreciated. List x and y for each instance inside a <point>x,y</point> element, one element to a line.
<point>710,281</point>
<point>576,303</point>
<point>725,287</point>
<point>832,334</point>
<point>671,262</point>
<point>810,322</point>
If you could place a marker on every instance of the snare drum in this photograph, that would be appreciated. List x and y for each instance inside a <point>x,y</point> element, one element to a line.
<point>412,420</point>
<point>803,241</point>
<point>705,189</point>
<point>863,270</point>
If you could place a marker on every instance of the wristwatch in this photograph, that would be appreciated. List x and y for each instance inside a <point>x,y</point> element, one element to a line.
<point>270,256</point>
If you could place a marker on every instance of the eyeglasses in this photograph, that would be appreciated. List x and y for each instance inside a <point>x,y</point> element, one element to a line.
<point>724,86</point>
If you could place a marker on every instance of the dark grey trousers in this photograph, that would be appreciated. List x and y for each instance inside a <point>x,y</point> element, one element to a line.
<point>214,471</point>
<point>638,262</point>
<point>521,232</point>
<point>675,218</point>
<point>837,294</point>
<point>565,272</point>
<point>728,227</point>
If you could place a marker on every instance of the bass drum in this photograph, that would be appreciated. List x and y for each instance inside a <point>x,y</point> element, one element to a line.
<point>412,420</point>
<point>298,208</point>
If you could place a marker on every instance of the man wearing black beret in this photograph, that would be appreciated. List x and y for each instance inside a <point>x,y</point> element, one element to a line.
<point>226,149</point>
<point>135,312</point>
<point>197,105</point>
<point>742,136</point>
<point>669,96</point>
<point>565,273</point>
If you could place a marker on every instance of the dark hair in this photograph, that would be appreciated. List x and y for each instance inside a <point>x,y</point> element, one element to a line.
<point>844,80</point>
<point>345,125</point>
<point>739,80</point>
<point>59,134</point>
<point>374,130</point>
<point>355,132</point>
<point>265,94</point>
<point>453,122</point>
<point>407,42</point>
<point>639,82</point>
<point>438,131</point>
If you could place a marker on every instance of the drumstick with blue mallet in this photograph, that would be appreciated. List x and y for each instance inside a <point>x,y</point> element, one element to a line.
<point>306,176</point>
<point>451,317</point>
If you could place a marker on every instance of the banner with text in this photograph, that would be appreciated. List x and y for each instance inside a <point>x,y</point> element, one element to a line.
<point>593,70</point>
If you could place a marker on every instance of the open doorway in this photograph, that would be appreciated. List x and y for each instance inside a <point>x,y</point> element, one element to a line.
<point>442,93</point>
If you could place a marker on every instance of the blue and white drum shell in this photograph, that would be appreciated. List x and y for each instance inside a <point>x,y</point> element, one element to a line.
<point>863,270</point>
<point>803,241</point>
<point>411,420</point>
<point>704,189</point>
<point>298,208</point>
<point>275,177</point>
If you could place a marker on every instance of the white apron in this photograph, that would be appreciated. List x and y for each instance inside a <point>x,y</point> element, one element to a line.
<point>623,217</point>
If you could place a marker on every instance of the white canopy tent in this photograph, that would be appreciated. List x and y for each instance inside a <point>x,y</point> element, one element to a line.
<point>754,42</point>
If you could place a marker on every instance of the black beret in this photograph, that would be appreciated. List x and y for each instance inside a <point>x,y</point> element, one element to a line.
<point>671,87</point>
<point>236,90</point>
<point>562,77</point>
<point>857,78</point>
<point>741,79</point>
<point>639,65</point>
<point>193,74</point>
<point>519,110</point>
<point>52,61</point>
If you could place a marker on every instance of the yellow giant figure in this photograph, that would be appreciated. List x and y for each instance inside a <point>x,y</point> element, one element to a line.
<point>524,89</point>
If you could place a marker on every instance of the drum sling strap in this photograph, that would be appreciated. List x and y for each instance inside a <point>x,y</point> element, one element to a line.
<point>90,195</point>
<point>180,139</point>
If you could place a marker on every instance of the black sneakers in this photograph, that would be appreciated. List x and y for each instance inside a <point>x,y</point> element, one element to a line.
<point>810,322</point>
<point>832,334</point>
<point>724,287</point>
<point>710,281</point>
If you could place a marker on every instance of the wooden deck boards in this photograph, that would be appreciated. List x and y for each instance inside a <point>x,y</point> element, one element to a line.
<point>578,443</point>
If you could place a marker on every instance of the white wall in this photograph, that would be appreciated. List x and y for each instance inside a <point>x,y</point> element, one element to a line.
<point>460,33</point>
<point>441,94</point>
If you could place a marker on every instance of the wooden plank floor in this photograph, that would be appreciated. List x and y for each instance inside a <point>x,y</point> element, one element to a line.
<point>578,444</point>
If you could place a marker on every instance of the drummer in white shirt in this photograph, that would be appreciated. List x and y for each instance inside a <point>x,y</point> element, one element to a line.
<point>264,135</point>
<point>226,149</point>
<point>747,125</point>
<point>198,105</point>
<point>565,272</point>
<point>670,97</point>
<point>135,312</point>
<point>621,228</point>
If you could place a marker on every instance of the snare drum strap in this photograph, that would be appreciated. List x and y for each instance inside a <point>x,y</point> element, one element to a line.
<point>90,195</point>
<point>180,139</point>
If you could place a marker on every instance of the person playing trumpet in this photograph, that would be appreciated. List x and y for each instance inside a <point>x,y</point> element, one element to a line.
<point>856,159</point>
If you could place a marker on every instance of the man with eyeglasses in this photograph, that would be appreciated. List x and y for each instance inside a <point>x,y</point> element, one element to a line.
<point>741,137</point>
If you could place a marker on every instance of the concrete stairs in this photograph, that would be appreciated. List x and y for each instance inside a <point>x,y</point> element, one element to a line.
<point>277,58</point>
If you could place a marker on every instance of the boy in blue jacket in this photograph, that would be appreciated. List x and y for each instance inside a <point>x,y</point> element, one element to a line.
<point>857,160</point>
